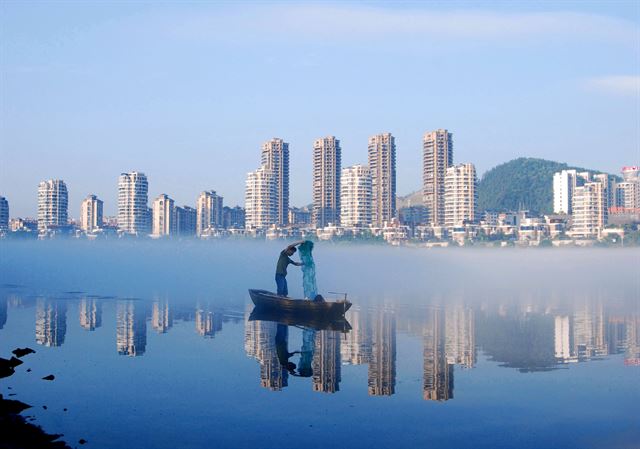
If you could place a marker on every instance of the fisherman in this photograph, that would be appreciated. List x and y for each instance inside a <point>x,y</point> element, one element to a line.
<point>281,267</point>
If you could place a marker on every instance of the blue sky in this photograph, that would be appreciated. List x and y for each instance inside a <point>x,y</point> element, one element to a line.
<point>186,92</point>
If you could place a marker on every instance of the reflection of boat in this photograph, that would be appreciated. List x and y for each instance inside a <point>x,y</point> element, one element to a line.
<point>320,310</point>
<point>310,321</point>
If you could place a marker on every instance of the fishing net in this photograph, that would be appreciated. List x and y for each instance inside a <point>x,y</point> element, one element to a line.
<point>308,270</point>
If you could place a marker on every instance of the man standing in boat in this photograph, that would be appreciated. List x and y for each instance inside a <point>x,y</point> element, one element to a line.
<point>281,268</point>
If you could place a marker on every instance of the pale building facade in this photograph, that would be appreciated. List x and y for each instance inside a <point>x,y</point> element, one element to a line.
<point>261,209</point>
<point>564,182</point>
<point>355,196</point>
<point>382,165</point>
<point>164,217</point>
<point>91,214</point>
<point>275,157</point>
<point>53,203</point>
<point>460,195</point>
<point>208,212</point>
<point>589,208</point>
<point>133,199</point>
<point>327,159</point>
<point>437,156</point>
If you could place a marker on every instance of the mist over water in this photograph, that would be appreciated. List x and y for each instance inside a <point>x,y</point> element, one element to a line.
<point>222,271</point>
<point>155,342</point>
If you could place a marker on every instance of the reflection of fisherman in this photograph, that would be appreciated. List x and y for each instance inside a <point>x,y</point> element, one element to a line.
<point>281,267</point>
<point>305,368</point>
<point>282,342</point>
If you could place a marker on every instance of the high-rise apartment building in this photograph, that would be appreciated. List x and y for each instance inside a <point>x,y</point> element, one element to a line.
<point>133,212</point>
<point>164,217</point>
<point>233,217</point>
<point>186,221</point>
<point>327,159</point>
<point>627,193</point>
<point>300,217</point>
<point>564,182</point>
<point>91,214</point>
<point>589,209</point>
<point>460,195</point>
<point>53,202</point>
<point>437,156</point>
<point>209,212</point>
<point>382,165</point>
<point>4,214</point>
<point>261,210</point>
<point>275,157</point>
<point>355,196</point>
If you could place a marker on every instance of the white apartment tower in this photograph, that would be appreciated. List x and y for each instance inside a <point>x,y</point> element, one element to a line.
<point>53,201</point>
<point>275,157</point>
<point>208,212</point>
<point>564,182</point>
<point>261,209</point>
<point>460,195</point>
<point>437,156</point>
<point>326,181</point>
<point>4,214</point>
<point>382,165</point>
<point>91,214</point>
<point>355,196</point>
<point>164,217</point>
<point>589,210</point>
<point>133,212</point>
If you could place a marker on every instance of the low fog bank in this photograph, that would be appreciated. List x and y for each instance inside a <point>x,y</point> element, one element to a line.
<point>224,270</point>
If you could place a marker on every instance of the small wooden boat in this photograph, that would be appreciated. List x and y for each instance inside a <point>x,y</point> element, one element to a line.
<point>268,300</point>
<point>318,322</point>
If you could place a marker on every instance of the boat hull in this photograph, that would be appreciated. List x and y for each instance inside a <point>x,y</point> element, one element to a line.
<point>308,321</point>
<point>267,300</point>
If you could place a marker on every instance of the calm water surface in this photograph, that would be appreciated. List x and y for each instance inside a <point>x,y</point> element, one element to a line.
<point>148,357</point>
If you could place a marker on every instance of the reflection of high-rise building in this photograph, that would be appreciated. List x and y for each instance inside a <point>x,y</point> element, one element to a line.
<point>355,347</point>
<point>51,322</point>
<point>161,316</point>
<point>382,367</point>
<point>382,166</point>
<point>588,331</point>
<point>53,201</point>
<point>326,181</point>
<point>275,157</point>
<point>131,328</point>
<point>260,343</point>
<point>632,353</point>
<point>562,338</point>
<point>326,362</point>
<point>90,311</point>
<point>3,311</point>
<point>208,323</point>
<point>438,372</point>
<point>460,345</point>
<point>133,213</point>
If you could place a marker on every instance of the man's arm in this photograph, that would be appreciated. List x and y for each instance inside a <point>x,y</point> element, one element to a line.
<point>294,244</point>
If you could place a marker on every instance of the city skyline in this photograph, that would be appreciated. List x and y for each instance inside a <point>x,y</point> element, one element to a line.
<point>495,87</point>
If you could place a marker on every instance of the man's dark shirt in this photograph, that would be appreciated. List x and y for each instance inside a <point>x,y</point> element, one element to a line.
<point>283,261</point>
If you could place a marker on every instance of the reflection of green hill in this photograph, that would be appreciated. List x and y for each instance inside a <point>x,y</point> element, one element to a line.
<point>525,343</point>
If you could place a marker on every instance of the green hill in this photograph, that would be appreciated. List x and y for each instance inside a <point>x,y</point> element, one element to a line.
<point>523,182</point>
